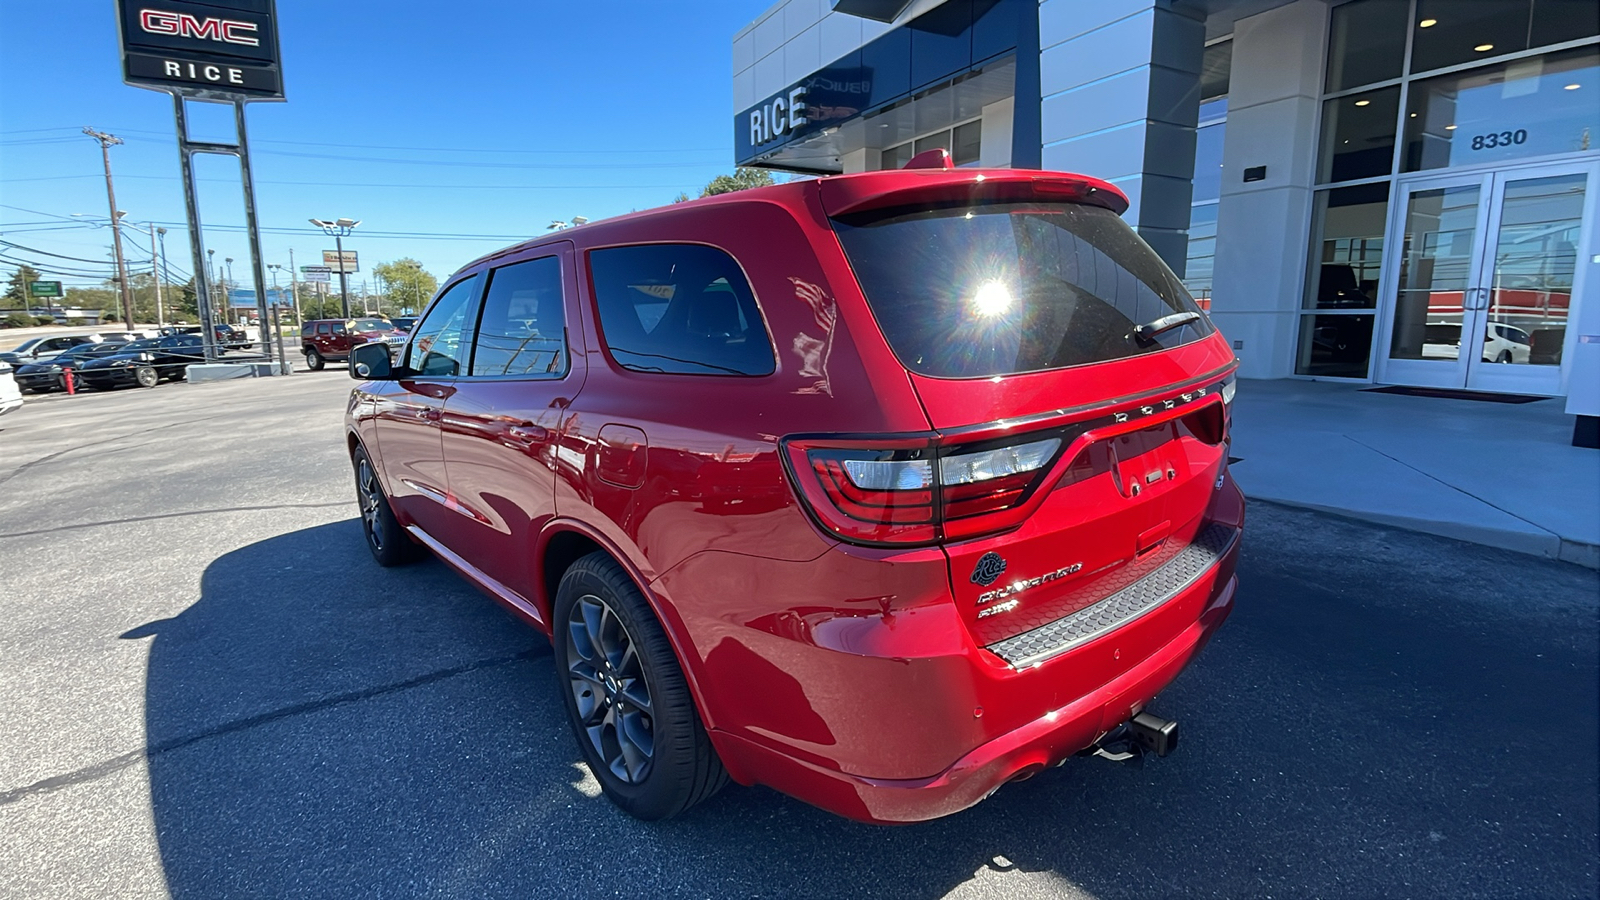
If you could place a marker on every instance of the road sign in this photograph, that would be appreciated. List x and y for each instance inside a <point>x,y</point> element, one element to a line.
<point>309,270</point>
<point>320,275</point>
<point>241,298</point>
<point>216,50</point>
<point>43,289</point>
<point>330,259</point>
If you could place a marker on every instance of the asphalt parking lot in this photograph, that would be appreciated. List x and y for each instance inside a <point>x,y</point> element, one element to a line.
<point>211,691</point>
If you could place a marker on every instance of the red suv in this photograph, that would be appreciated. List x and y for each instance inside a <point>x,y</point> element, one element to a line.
<point>331,340</point>
<point>881,489</point>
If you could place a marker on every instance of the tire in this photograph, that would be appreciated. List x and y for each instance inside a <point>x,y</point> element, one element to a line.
<point>1504,357</point>
<point>621,683</point>
<point>146,377</point>
<point>389,543</point>
<point>314,360</point>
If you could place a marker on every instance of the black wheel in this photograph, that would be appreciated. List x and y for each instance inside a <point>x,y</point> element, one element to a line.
<point>314,360</point>
<point>389,543</point>
<point>146,376</point>
<point>626,696</point>
<point>1504,357</point>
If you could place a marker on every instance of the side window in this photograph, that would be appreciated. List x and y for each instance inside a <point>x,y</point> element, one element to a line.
<point>339,328</point>
<point>523,327</point>
<point>679,308</point>
<point>438,345</point>
<point>322,328</point>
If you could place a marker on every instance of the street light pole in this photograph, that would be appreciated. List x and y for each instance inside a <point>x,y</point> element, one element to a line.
<point>227,290</point>
<point>339,229</point>
<point>106,142</point>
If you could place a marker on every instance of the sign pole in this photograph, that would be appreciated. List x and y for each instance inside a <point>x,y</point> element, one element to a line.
<point>294,288</point>
<point>155,269</point>
<point>202,280</point>
<point>257,269</point>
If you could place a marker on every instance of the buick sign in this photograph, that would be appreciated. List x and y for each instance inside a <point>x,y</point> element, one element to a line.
<point>216,50</point>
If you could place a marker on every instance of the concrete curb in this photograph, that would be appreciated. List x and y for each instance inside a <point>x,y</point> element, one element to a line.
<point>1545,544</point>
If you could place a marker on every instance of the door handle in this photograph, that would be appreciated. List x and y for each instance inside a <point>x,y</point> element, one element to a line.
<point>528,431</point>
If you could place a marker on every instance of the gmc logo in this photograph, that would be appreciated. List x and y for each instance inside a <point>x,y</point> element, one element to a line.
<point>228,31</point>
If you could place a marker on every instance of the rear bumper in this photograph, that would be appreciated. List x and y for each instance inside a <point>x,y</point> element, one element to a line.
<point>1039,744</point>
<point>884,703</point>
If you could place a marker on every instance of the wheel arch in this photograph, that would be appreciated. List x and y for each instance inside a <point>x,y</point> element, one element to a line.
<point>564,542</point>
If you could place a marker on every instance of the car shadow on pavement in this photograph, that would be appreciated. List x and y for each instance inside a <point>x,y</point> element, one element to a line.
<point>321,727</point>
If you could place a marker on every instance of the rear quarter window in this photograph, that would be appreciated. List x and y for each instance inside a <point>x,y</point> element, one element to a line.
<point>682,309</point>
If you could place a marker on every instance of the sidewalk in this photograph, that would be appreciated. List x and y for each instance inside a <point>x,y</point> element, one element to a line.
<point>1500,474</point>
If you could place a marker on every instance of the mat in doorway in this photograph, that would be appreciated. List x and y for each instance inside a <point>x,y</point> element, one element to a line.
<point>1452,394</point>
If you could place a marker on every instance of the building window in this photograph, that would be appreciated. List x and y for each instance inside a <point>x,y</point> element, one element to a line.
<point>1202,252</point>
<point>1342,281</point>
<point>1517,109</point>
<point>1358,135</point>
<point>1452,32</point>
<point>963,141</point>
<point>1366,43</point>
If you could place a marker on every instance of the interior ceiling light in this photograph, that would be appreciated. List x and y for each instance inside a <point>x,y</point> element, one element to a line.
<point>1427,23</point>
<point>1449,128</point>
<point>1572,87</point>
<point>1363,102</point>
<point>1484,48</point>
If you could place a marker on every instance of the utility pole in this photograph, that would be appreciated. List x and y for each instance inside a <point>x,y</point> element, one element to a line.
<point>106,142</point>
<point>155,269</point>
<point>294,288</point>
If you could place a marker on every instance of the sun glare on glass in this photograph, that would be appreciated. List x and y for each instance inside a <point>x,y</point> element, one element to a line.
<point>992,299</point>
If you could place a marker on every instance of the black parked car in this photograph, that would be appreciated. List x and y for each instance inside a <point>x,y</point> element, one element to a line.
<point>145,363</point>
<point>46,374</point>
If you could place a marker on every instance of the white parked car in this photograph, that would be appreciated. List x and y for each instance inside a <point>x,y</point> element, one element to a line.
<point>10,397</point>
<point>1501,343</point>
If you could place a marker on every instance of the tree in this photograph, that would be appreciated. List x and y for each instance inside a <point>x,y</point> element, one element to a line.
<point>742,179</point>
<point>410,285</point>
<point>17,288</point>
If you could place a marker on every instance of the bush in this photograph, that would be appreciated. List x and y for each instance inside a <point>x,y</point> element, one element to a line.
<point>16,320</point>
<point>75,322</point>
<point>44,320</point>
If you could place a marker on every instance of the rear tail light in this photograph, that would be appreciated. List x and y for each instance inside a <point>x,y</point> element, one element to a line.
<point>887,494</point>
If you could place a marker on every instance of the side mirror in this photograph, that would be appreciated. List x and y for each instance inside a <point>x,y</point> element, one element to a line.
<point>370,362</point>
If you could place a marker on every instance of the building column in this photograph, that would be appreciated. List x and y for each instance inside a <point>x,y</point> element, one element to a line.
<point>1120,82</point>
<point>1263,225</point>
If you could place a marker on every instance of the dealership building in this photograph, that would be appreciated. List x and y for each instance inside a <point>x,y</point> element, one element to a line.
<point>1390,191</point>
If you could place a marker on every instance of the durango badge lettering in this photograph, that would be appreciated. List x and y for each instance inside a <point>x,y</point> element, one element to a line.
<point>990,566</point>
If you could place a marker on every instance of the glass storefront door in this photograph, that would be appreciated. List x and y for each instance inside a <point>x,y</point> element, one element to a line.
<point>1488,275</point>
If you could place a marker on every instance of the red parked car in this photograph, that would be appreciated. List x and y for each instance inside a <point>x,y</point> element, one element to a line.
<point>882,490</point>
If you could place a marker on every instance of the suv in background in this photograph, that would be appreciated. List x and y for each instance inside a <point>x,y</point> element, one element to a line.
<point>331,340</point>
<point>880,489</point>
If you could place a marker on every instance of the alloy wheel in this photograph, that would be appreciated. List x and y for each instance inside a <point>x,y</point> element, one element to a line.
<point>608,682</point>
<point>371,498</point>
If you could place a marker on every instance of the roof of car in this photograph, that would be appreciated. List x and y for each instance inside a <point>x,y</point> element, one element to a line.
<point>865,190</point>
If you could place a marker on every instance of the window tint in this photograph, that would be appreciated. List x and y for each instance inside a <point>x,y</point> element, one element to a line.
<point>679,308</point>
<point>523,327</point>
<point>1002,288</point>
<point>322,328</point>
<point>438,345</point>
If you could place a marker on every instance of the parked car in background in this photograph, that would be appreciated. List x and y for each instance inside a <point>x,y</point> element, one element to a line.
<point>145,363</point>
<point>880,489</point>
<point>331,340</point>
<point>45,375</point>
<point>404,323</point>
<point>228,337</point>
<point>45,346</point>
<point>10,396</point>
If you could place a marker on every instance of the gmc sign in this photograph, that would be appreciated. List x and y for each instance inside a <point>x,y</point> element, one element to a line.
<point>230,31</point>
<point>207,49</point>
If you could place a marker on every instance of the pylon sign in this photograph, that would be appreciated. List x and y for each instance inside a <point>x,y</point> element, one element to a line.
<point>215,50</point>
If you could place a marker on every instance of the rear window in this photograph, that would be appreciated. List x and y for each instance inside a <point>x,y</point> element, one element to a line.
<point>679,308</point>
<point>1004,288</point>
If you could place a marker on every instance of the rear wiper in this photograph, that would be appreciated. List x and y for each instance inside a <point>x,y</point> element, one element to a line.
<point>1148,331</point>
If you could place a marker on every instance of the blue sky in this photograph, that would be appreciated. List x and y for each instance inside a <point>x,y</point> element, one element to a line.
<point>426,121</point>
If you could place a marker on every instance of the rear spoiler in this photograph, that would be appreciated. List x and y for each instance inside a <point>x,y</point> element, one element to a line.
<point>939,187</point>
